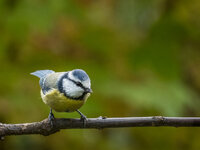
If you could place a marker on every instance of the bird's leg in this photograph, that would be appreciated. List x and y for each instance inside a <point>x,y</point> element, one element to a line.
<point>83,118</point>
<point>51,117</point>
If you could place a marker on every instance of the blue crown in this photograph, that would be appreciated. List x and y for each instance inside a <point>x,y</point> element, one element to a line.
<point>80,74</point>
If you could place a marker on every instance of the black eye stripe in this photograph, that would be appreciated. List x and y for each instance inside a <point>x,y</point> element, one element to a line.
<point>77,83</point>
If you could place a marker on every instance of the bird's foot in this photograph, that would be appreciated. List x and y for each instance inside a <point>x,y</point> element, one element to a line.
<point>51,118</point>
<point>83,118</point>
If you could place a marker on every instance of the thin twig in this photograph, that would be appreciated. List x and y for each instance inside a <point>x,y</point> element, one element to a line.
<point>45,128</point>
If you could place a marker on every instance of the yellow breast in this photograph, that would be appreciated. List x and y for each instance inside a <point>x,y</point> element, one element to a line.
<point>60,103</point>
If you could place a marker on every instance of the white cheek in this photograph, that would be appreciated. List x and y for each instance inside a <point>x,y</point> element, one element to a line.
<point>71,89</point>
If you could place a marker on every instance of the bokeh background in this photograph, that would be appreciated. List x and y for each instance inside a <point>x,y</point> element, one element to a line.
<point>143,57</point>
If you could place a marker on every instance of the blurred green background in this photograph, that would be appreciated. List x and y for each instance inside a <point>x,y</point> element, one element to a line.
<point>143,57</point>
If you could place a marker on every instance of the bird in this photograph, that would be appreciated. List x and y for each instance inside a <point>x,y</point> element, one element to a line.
<point>64,91</point>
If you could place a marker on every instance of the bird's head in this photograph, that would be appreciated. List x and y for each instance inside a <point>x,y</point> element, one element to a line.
<point>77,84</point>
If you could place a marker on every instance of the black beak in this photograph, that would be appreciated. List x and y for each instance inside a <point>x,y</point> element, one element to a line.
<point>88,90</point>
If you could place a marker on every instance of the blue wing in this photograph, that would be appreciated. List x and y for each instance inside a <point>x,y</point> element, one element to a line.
<point>42,74</point>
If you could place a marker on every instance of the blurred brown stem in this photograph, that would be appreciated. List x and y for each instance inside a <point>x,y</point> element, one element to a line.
<point>45,128</point>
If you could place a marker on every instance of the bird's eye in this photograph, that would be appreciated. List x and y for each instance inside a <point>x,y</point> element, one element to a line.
<point>78,84</point>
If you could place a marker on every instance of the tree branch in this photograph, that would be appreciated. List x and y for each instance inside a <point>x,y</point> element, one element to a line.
<point>44,127</point>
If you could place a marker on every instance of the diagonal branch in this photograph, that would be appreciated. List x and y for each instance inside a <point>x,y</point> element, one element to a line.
<point>45,128</point>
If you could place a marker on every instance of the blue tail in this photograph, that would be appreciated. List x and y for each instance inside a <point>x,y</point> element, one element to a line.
<point>42,73</point>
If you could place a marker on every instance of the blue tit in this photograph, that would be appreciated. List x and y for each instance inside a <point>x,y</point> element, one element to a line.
<point>64,91</point>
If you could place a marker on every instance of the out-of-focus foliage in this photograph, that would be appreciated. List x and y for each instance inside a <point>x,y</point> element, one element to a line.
<point>143,58</point>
